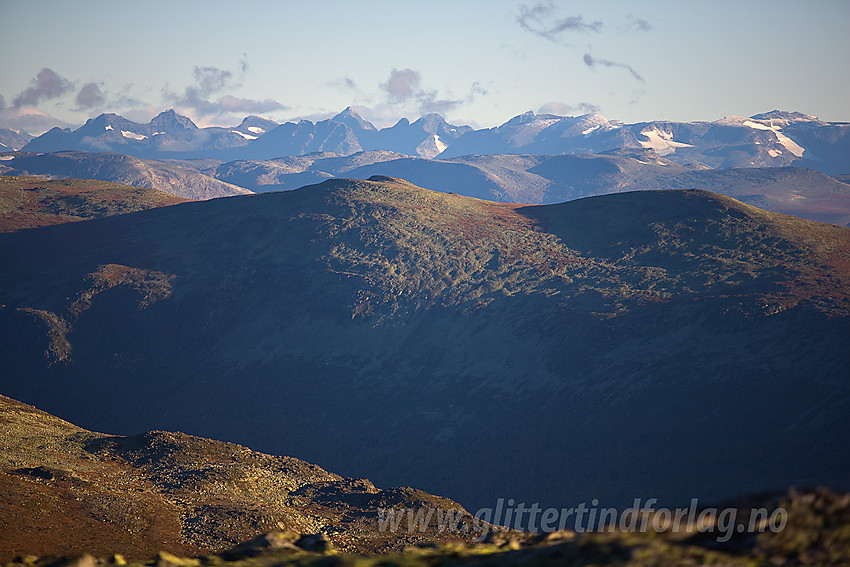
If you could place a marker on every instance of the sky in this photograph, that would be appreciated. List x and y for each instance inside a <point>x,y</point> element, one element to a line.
<point>477,62</point>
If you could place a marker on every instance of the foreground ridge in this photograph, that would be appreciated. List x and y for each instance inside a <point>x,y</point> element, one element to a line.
<point>815,534</point>
<point>66,490</point>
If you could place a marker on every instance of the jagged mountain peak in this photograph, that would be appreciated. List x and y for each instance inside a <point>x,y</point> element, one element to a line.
<point>108,119</point>
<point>526,118</point>
<point>350,117</point>
<point>254,120</point>
<point>252,127</point>
<point>786,115</point>
<point>431,118</point>
<point>169,120</point>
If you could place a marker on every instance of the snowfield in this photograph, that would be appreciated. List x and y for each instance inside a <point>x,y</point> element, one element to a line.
<point>662,142</point>
<point>789,144</point>
<point>244,135</point>
<point>132,135</point>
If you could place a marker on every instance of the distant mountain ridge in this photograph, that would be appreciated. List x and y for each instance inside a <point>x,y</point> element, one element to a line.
<point>120,168</point>
<point>771,139</point>
<point>544,179</point>
<point>168,132</point>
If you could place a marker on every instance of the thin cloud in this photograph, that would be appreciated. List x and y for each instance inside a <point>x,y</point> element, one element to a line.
<point>229,103</point>
<point>592,62</point>
<point>209,80</point>
<point>89,96</point>
<point>476,90</point>
<point>428,103</point>
<point>29,119</point>
<point>564,109</point>
<point>343,84</point>
<point>543,20</point>
<point>404,89</point>
<point>199,97</point>
<point>402,85</point>
<point>48,84</point>
<point>638,25</point>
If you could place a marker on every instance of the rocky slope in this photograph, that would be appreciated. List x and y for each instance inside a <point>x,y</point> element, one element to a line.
<point>118,168</point>
<point>65,490</point>
<point>11,140</point>
<point>609,347</point>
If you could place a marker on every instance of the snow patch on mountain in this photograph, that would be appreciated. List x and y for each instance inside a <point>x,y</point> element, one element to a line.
<point>132,135</point>
<point>789,144</point>
<point>661,141</point>
<point>244,135</point>
<point>439,143</point>
<point>256,130</point>
<point>109,127</point>
<point>431,147</point>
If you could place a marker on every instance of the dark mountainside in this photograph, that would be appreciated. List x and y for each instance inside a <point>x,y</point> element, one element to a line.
<point>669,344</point>
<point>29,202</point>
<point>65,490</point>
<point>118,168</point>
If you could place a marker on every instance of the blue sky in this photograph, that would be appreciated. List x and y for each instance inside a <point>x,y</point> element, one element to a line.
<point>475,61</point>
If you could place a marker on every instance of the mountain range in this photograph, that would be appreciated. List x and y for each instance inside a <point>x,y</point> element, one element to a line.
<point>607,347</point>
<point>772,139</point>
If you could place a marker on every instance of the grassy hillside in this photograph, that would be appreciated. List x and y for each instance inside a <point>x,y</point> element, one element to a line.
<point>28,202</point>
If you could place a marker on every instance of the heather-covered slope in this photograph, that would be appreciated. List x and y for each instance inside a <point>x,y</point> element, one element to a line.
<point>27,202</point>
<point>65,490</point>
<point>669,344</point>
